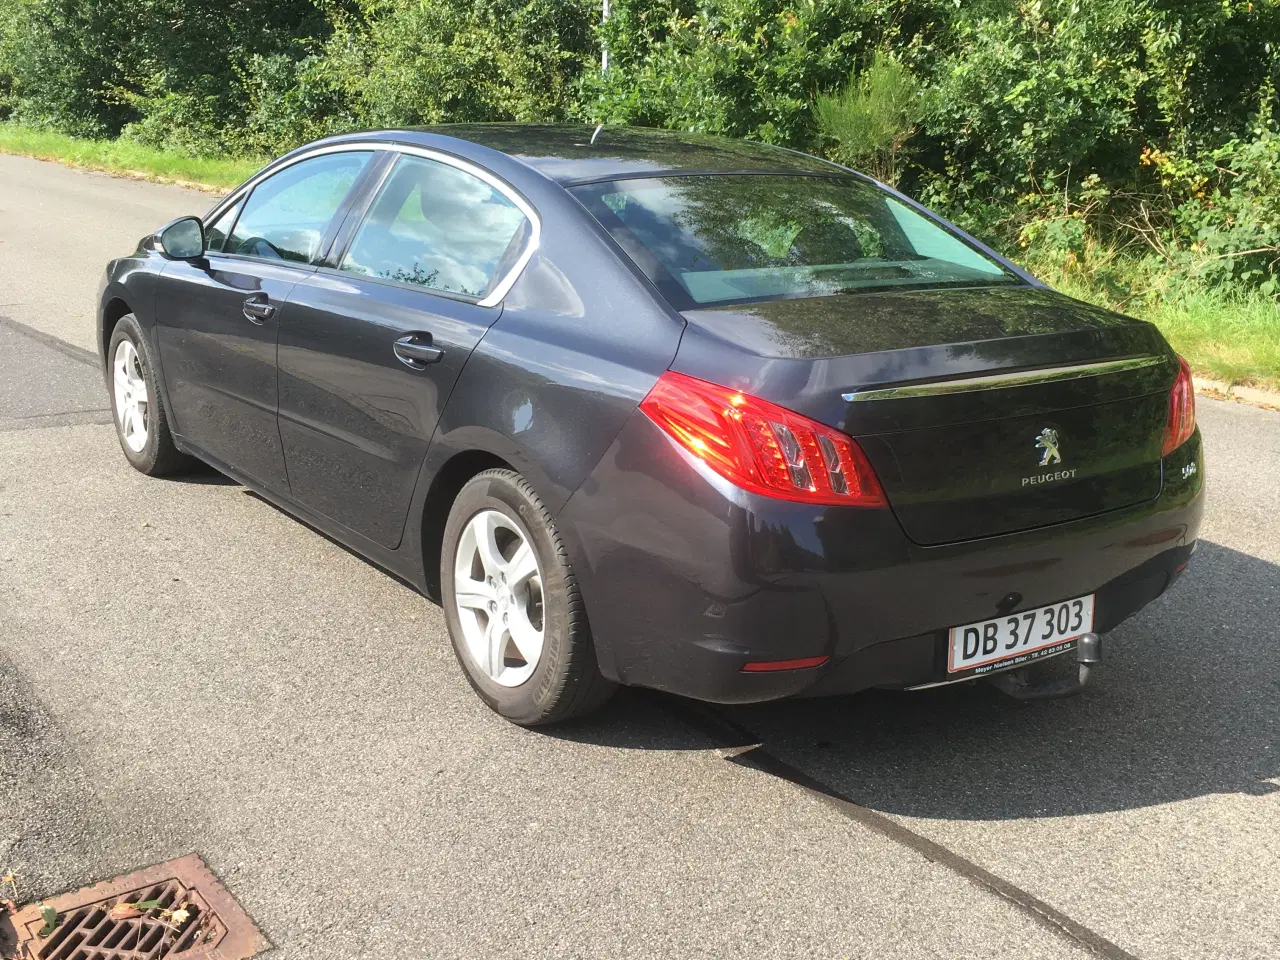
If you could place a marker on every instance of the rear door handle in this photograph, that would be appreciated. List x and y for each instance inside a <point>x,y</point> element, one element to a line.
<point>415,350</point>
<point>258,309</point>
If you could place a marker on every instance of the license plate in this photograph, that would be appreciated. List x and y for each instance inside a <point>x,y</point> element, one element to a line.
<point>1030,635</point>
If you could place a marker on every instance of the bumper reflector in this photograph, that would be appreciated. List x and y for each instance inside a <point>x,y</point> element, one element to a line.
<point>767,666</point>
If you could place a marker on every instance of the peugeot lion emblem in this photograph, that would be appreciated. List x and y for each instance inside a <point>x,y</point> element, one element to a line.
<point>1048,442</point>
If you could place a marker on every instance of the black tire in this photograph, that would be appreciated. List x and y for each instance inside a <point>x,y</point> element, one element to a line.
<point>158,456</point>
<point>566,681</point>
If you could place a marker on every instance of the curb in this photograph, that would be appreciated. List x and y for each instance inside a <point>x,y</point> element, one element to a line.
<point>1221,390</point>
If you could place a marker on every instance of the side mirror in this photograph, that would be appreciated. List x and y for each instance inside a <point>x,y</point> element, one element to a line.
<point>182,239</point>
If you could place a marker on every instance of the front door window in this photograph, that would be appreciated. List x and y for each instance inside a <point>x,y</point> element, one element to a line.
<point>287,215</point>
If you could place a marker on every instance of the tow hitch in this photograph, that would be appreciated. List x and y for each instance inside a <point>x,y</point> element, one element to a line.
<point>1016,683</point>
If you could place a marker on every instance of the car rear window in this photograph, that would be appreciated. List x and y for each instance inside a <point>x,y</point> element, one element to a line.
<point>733,238</point>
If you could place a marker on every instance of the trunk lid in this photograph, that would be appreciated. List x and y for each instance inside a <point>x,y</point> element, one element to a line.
<point>984,412</point>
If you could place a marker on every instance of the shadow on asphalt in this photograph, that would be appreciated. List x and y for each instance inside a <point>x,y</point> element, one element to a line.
<point>201,474</point>
<point>1187,704</point>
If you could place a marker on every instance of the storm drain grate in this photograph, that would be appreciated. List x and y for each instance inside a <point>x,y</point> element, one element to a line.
<point>176,909</point>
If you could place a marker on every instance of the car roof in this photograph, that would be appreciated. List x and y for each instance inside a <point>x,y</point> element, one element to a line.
<point>571,153</point>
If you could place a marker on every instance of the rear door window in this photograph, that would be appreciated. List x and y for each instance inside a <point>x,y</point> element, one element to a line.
<point>438,227</point>
<point>288,214</point>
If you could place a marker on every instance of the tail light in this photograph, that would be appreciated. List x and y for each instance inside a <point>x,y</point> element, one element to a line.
<point>1182,411</point>
<point>761,447</point>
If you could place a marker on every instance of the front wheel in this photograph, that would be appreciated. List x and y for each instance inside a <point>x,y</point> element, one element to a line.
<point>512,605</point>
<point>141,423</point>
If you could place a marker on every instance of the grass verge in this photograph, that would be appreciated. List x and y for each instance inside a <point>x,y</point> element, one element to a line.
<point>1235,339</point>
<point>127,159</point>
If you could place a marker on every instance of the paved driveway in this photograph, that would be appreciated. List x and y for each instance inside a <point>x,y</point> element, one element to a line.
<point>183,667</point>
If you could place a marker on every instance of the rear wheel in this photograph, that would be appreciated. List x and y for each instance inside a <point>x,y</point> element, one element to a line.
<point>141,423</point>
<point>512,605</point>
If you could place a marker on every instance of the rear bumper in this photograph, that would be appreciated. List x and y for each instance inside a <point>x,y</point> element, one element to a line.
<point>686,578</point>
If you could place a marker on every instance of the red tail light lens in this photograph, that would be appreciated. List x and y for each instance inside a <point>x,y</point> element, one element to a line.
<point>761,447</point>
<point>1182,410</point>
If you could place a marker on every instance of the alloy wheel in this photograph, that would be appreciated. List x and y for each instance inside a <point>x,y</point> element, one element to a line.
<point>498,595</point>
<point>133,407</point>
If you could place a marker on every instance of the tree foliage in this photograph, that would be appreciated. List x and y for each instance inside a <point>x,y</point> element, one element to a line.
<point>746,68</point>
<point>1060,125</point>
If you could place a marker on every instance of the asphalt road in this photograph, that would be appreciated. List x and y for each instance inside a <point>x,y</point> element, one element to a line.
<point>183,667</point>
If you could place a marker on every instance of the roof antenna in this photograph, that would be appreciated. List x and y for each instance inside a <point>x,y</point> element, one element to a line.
<point>599,127</point>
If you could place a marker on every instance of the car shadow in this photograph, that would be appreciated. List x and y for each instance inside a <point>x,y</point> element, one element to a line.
<point>1186,704</point>
<point>200,473</point>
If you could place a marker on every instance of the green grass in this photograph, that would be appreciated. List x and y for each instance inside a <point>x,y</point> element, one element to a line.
<point>1235,342</point>
<point>1235,339</point>
<point>126,158</point>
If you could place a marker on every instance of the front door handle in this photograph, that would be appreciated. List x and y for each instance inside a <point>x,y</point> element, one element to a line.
<point>257,308</point>
<point>415,350</point>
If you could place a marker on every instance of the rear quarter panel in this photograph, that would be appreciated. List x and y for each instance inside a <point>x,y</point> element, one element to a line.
<point>580,341</point>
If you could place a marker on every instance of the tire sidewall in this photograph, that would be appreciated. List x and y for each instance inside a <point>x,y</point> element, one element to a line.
<point>529,700</point>
<point>128,329</point>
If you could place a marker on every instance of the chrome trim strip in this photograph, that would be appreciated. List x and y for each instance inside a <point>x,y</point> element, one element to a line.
<point>359,146</point>
<point>1003,380</point>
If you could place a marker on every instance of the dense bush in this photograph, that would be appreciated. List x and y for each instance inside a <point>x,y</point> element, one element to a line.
<point>1046,120</point>
<point>161,69</point>
<point>63,64</point>
<point>746,68</point>
<point>1075,130</point>
<point>425,61</point>
<point>872,121</point>
<point>1226,206</point>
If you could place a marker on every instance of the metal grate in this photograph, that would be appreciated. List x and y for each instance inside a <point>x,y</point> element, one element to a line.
<point>91,934</point>
<point>192,917</point>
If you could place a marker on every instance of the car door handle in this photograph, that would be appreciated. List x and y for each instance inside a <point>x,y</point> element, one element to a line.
<point>258,309</point>
<point>416,350</point>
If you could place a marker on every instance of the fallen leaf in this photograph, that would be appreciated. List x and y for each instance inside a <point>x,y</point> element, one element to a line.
<point>50,918</point>
<point>179,917</point>
<point>124,911</point>
<point>147,904</point>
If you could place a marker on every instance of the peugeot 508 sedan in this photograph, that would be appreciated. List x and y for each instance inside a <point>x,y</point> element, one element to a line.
<point>648,408</point>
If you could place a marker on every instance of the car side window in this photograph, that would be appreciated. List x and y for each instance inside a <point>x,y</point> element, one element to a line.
<point>435,226</point>
<point>215,235</point>
<point>287,214</point>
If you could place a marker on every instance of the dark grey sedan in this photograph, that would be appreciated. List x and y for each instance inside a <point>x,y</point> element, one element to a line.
<point>657,409</point>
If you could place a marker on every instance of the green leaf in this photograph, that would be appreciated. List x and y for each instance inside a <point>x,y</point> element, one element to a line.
<point>147,904</point>
<point>50,918</point>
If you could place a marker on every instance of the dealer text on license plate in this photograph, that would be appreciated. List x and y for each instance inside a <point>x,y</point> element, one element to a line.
<point>1029,635</point>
